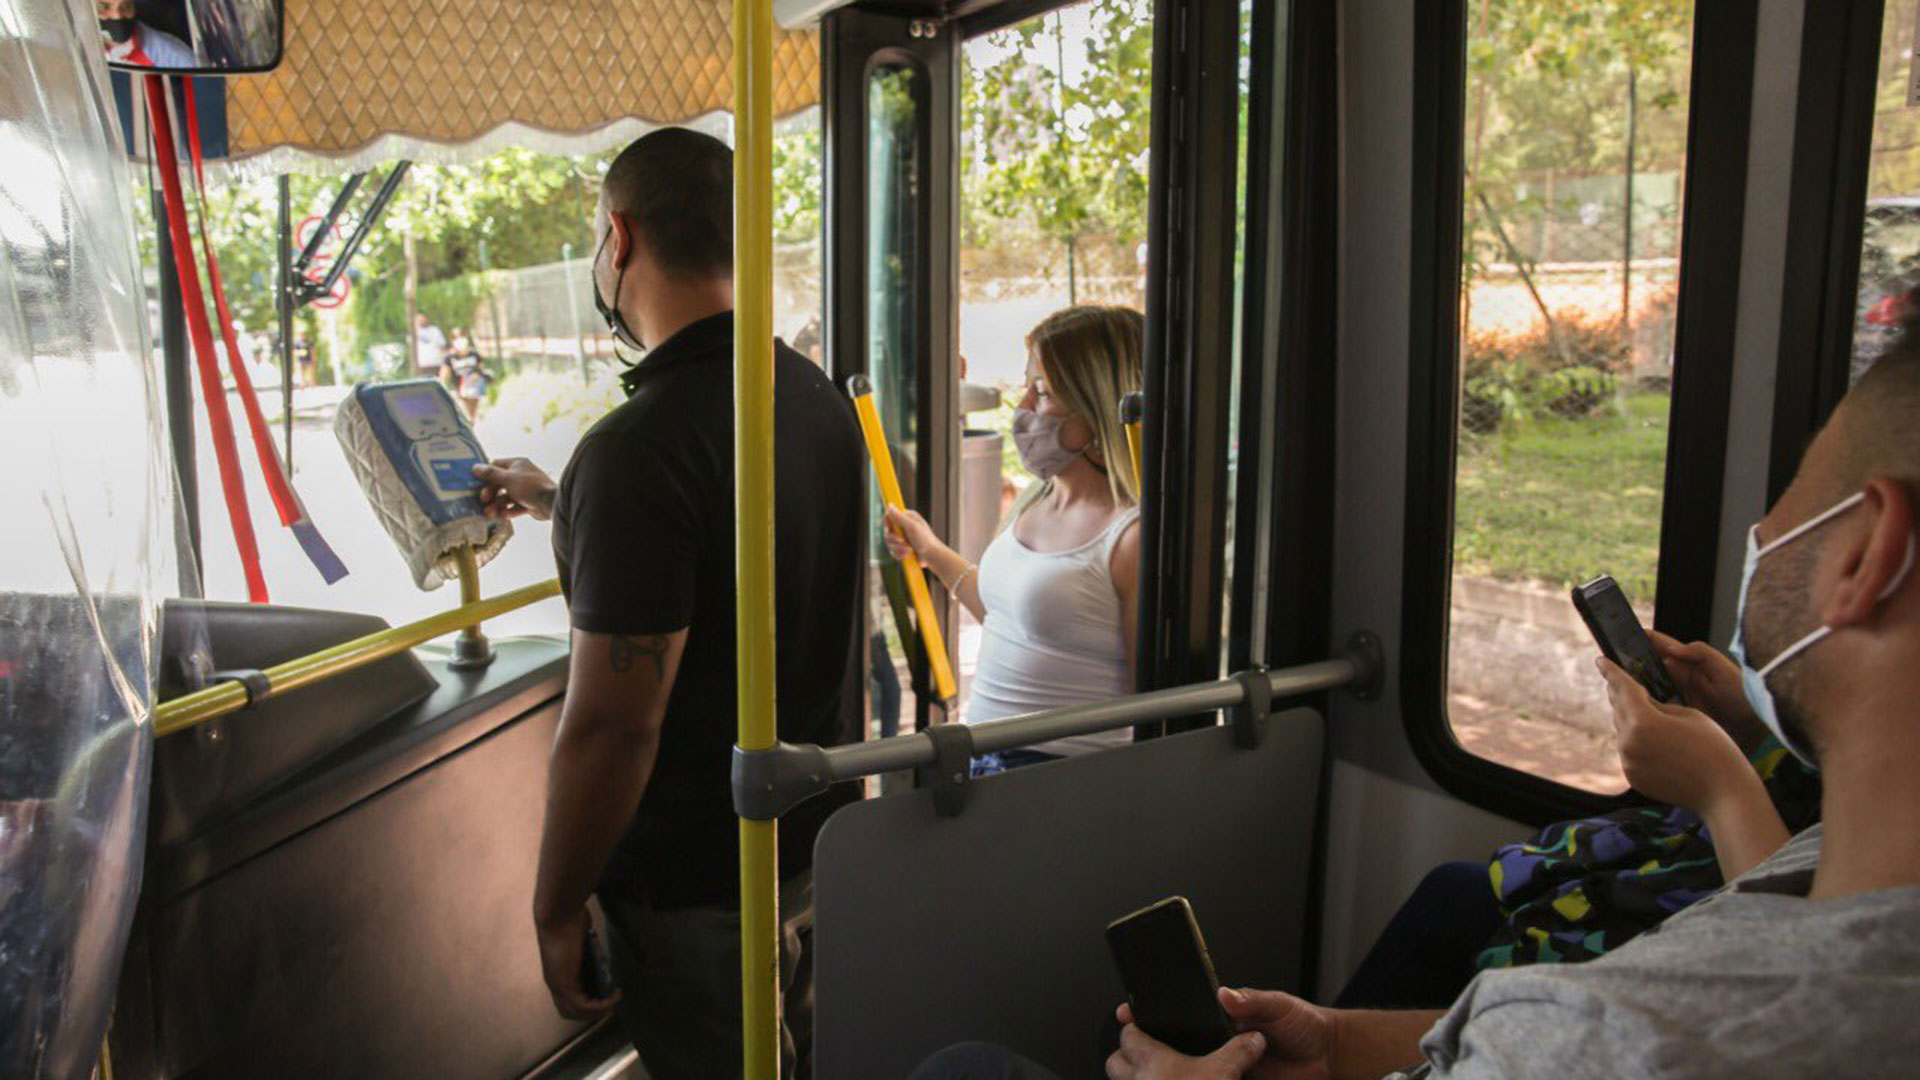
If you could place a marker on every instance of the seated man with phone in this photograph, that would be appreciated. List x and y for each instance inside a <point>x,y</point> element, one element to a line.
<point>1802,966</point>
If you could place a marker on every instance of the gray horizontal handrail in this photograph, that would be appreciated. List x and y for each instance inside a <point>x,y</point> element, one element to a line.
<point>766,783</point>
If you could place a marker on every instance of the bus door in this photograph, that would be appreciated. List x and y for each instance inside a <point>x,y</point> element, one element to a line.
<point>987,169</point>
<point>964,151</point>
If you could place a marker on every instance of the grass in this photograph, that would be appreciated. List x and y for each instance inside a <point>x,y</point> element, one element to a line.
<point>1558,501</point>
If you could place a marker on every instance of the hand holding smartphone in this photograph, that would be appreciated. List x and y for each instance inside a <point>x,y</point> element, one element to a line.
<point>1169,977</point>
<point>1611,619</point>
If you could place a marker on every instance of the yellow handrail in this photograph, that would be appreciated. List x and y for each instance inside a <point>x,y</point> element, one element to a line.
<point>227,697</point>
<point>890,493</point>
<point>1133,412</point>
<point>753,531</point>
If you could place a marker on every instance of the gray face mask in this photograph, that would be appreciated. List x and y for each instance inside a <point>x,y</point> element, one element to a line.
<point>1037,436</point>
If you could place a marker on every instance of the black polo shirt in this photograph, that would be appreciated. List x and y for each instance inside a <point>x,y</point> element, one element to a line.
<point>643,532</point>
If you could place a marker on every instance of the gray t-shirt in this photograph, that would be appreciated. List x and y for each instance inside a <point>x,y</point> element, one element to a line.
<point>1756,981</point>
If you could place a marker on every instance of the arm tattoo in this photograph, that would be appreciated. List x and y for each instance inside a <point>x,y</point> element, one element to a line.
<point>626,650</point>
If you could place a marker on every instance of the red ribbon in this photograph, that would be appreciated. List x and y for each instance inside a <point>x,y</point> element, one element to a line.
<point>278,486</point>
<point>219,421</point>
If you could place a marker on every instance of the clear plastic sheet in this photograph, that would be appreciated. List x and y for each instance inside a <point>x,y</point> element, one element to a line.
<point>87,539</point>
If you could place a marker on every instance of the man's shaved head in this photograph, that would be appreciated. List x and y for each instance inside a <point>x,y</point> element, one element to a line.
<point>675,187</point>
<point>1882,421</point>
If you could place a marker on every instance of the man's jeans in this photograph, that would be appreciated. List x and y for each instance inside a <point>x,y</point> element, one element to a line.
<point>679,978</point>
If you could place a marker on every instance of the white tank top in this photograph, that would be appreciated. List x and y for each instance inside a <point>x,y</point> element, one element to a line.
<point>1052,634</point>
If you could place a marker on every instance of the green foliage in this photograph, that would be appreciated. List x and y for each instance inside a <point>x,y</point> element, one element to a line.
<point>1547,95</point>
<point>1557,500</point>
<point>517,208</point>
<point>527,207</point>
<point>378,313</point>
<point>797,180</point>
<point>455,301</point>
<point>1568,370</point>
<point>1063,157</point>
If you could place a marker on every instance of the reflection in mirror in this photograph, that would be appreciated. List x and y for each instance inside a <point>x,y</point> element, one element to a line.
<point>207,37</point>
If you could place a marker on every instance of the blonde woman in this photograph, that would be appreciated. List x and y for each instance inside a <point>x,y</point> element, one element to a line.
<point>1055,592</point>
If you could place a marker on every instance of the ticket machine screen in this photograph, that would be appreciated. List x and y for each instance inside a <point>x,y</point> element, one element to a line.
<point>429,443</point>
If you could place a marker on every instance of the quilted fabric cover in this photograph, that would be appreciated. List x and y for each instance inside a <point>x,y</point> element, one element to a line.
<point>450,72</point>
<point>428,548</point>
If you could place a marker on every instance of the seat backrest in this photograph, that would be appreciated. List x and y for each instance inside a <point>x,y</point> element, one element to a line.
<point>990,925</point>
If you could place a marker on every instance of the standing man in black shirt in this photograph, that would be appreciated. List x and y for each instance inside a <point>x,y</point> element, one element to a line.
<point>639,801</point>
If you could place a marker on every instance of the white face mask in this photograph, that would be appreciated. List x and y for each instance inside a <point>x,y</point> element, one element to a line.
<point>1755,682</point>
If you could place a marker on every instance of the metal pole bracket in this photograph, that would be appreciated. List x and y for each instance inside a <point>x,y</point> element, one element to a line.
<point>770,782</point>
<point>252,680</point>
<point>1250,716</point>
<point>1369,664</point>
<point>952,766</point>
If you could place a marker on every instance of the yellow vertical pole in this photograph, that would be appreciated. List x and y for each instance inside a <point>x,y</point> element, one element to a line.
<point>861,389</point>
<point>753,500</point>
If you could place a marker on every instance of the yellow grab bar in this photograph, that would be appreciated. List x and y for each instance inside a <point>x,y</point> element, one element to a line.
<point>861,389</point>
<point>753,529</point>
<point>228,697</point>
<point>1133,414</point>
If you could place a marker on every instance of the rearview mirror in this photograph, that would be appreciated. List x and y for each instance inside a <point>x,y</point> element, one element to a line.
<point>191,37</point>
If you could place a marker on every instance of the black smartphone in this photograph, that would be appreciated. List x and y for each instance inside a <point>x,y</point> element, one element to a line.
<point>1169,978</point>
<point>1617,629</point>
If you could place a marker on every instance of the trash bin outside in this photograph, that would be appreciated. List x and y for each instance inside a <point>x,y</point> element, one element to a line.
<point>980,456</point>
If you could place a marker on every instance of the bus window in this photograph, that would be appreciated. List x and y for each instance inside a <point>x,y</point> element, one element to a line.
<point>1244,102</point>
<point>1575,143</point>
<point>1890,242</point>
<point>894,94</point>
<point>495,253</point>
<point>1054,122</point>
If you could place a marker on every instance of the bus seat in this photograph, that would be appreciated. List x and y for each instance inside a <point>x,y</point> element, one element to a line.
<point>990,925</point>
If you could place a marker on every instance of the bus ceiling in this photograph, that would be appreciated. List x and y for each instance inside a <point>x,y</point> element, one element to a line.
<point>359,82</point>
<point>974,17</point>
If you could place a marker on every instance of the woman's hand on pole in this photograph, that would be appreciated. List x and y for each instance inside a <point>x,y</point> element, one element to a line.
<point>908,532</point>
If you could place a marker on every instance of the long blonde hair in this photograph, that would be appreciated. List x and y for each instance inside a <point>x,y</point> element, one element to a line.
<point>1090,356</point>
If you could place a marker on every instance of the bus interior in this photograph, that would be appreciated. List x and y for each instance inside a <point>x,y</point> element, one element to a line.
<point>1448,306</point>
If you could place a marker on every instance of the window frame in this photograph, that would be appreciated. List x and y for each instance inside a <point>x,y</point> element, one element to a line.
<point>1827,211</point>
<point>854,44</point>
<point>1192,188</point>
<point>1289,341</point>
<point>1713,214</point>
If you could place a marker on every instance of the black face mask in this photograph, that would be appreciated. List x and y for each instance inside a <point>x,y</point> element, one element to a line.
<point>118,31</point>
<point>616,323</point>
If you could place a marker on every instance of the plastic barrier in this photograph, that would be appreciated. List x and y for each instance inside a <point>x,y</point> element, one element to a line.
<point>86,537</point>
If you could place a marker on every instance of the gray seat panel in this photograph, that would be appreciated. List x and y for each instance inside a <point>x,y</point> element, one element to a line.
<point>990,925</point>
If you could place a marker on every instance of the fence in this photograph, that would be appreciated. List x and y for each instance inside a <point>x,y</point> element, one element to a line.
<point>544,315</point>
<point>1556,251</point>
<point>1090,270</point>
